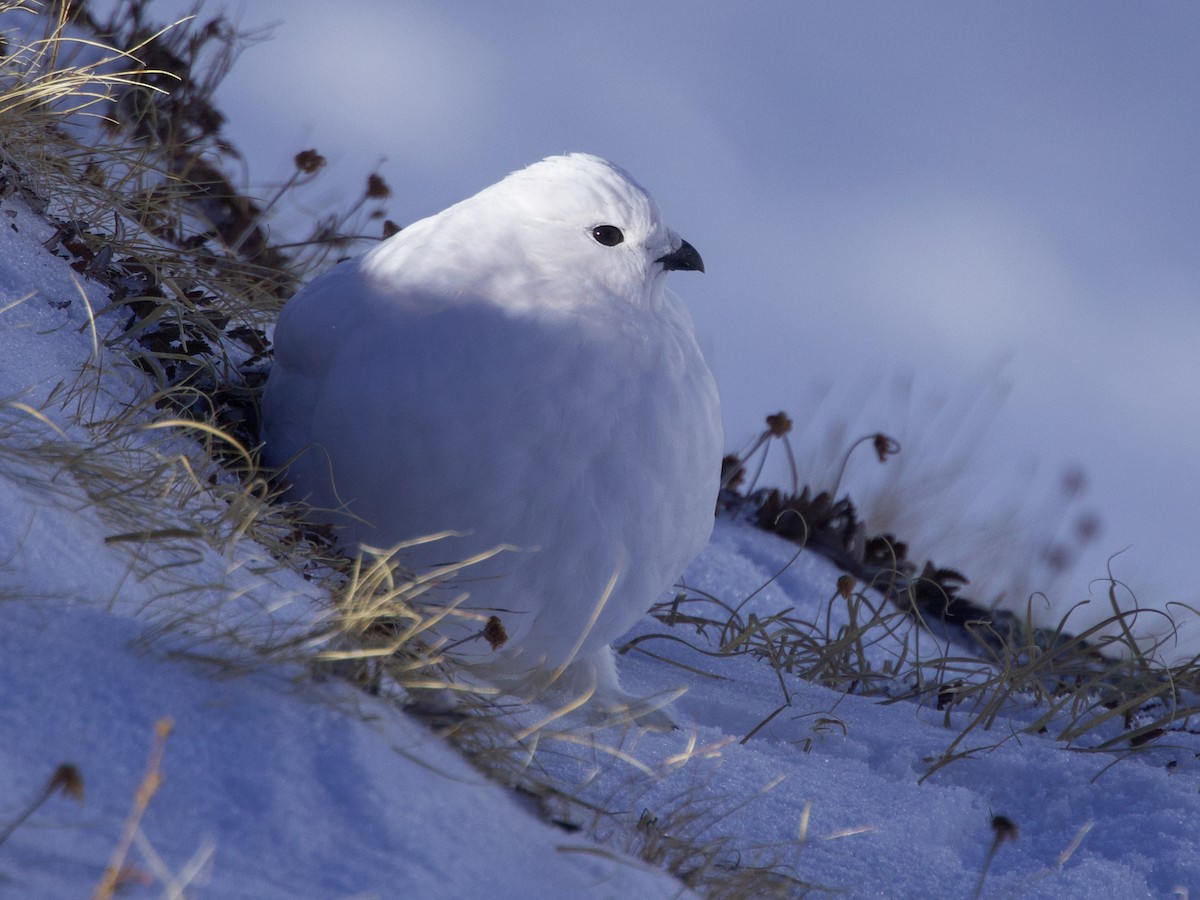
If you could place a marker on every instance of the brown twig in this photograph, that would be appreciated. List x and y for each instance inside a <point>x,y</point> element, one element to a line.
<point>150,783</point>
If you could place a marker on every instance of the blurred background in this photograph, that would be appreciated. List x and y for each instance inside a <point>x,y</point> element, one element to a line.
<point>970,225</point>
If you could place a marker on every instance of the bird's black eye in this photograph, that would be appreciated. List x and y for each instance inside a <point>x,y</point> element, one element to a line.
<point>608,235</point>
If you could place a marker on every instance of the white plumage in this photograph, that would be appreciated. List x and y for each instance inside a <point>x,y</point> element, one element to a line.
<point>512,369</point>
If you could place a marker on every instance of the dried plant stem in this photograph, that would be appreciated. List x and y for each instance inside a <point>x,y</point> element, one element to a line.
<point>66,780</point>
<point>150,783</point>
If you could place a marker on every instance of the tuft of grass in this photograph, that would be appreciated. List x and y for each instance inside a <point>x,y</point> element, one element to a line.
<point>682,833</point>
<point>929,493</point>
<point>1095,683</point>
<point>1099,688</point>
<point>679,834</point>
<point>47,82</point>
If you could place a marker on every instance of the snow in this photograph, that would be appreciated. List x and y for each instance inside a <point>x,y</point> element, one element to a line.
<point>277,785</point>
<point>292,791</point>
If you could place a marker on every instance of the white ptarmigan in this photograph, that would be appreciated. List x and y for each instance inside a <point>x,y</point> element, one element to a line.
<point>512,369</point>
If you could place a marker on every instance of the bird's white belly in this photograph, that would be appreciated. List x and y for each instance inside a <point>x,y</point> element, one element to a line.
<point>600,477</point>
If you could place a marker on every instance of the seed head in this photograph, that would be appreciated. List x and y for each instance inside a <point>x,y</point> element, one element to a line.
<point>779,424</point>
<point>309,161</point>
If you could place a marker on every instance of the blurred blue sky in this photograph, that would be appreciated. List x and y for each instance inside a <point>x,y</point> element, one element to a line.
<point>975,199</point>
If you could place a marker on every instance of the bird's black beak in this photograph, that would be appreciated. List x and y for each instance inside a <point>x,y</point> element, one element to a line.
<point>685,258</point>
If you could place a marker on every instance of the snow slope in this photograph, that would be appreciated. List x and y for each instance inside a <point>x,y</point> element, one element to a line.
<point>279,787</point>
<point>875,828</point>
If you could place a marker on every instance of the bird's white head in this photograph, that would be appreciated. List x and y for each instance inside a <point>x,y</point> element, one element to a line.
<point>575,218</point>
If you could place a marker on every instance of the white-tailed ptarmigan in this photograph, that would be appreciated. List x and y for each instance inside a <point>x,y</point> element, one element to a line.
<point>513,370</point>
